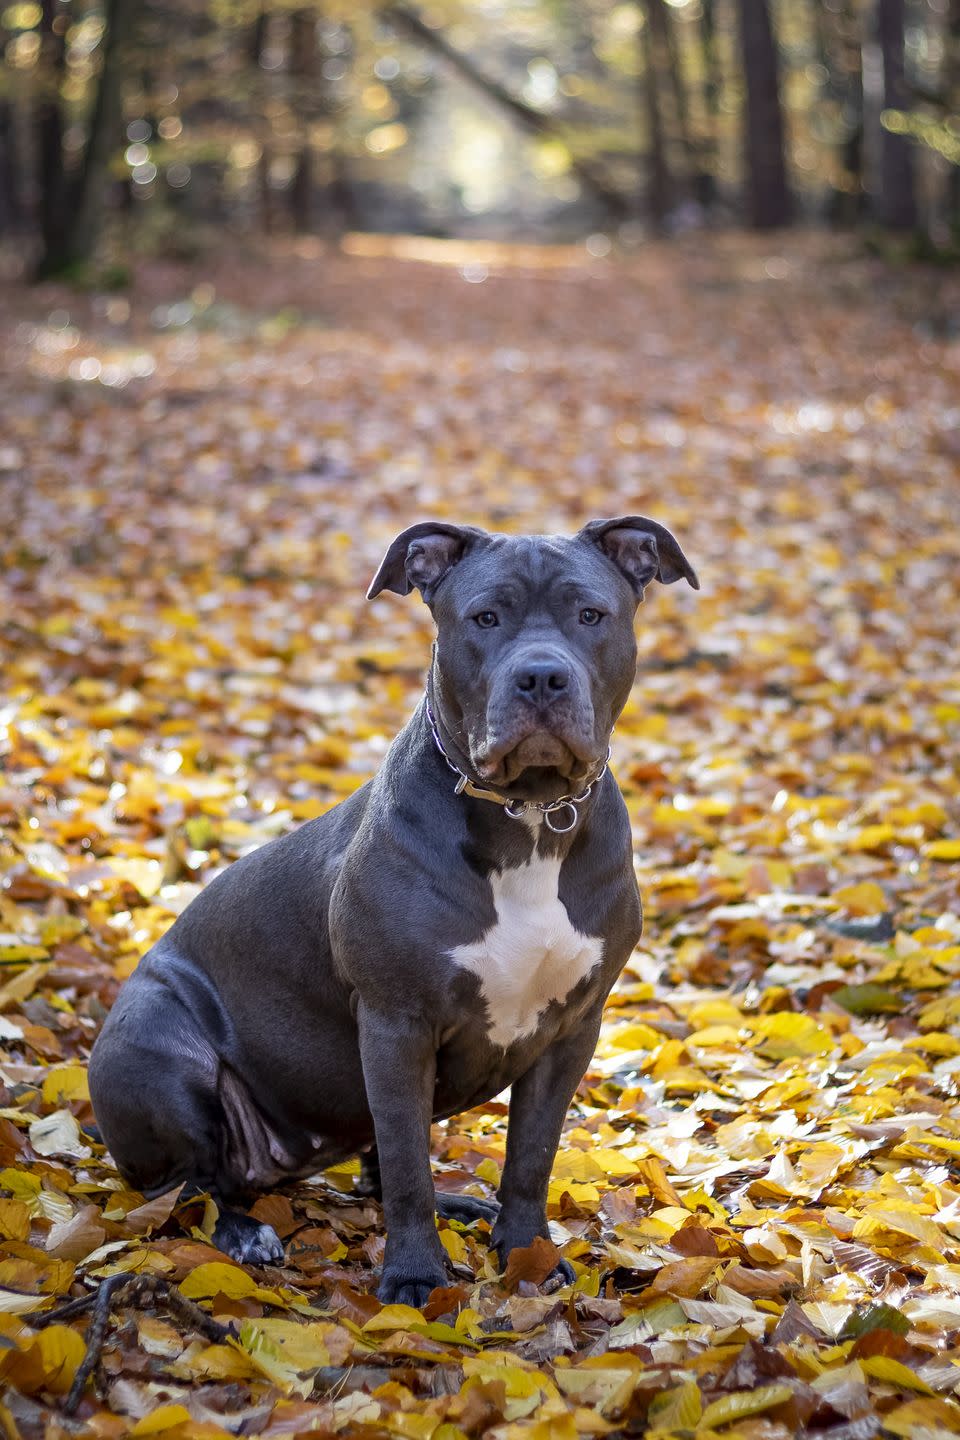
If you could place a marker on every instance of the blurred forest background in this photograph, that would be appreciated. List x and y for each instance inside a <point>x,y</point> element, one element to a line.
<point>149,126</point>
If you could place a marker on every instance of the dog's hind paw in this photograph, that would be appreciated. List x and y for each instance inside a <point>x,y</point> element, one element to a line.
<point>246,1240</point>
<point>466,1208</point>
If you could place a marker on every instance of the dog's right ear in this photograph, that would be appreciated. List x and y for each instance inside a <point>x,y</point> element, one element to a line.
<point>421,556</point>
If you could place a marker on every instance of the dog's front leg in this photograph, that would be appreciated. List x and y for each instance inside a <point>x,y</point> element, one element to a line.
<point>539,1101</point>
<point>399,1058</point>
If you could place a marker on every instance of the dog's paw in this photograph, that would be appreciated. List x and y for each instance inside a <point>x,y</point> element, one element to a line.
<point>399,1287</point>
<point>245,1240</point>
<point>466,1208</point>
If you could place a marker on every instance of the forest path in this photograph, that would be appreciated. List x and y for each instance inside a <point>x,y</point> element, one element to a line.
<point>197,480</point>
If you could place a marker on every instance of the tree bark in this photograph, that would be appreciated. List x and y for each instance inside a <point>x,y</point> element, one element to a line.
<point>669,66</point>
<point>535,121</point>
<point>51,184</point>
<point>951,187</point>
<point>898,206</point>
<point>707,193</point>
<point>303,66</point>
<point>768,194</point>
<point>73,234</point>
<point>11,206</point>
<point>659,191</point>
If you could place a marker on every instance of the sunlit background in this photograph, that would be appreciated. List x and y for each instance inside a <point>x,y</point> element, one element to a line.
<point>153,125</point>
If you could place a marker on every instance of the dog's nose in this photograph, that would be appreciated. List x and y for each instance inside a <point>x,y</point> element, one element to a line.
<point>542,680</point>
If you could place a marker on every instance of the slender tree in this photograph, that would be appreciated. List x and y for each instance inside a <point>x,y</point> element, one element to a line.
<point>304,86</point>
<point>11,205</point>
<point>72,206</point>
<point>51,185</point>
<point>768,194</point>
<point>898,206</point>
<point>711,103</point>
<point>660,185</point>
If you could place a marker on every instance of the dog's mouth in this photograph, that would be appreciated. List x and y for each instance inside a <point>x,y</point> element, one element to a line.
<point>541,763</point>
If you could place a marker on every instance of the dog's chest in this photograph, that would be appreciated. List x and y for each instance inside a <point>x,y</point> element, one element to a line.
<point>532,955</point>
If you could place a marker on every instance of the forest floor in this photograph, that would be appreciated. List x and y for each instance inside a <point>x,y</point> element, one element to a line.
<point>759,1186</point>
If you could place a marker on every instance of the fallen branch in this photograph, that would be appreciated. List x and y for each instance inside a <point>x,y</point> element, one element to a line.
<point>147,1291</point>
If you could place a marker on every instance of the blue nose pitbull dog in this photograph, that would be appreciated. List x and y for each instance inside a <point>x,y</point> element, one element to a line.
<point>451,929</point>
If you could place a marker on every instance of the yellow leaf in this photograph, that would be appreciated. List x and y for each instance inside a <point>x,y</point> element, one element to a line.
<point>744,1402</point>
<point>932,1417</point>
<point>218,1278</point>
<point>64,1083</point>
<point>606,1388</point>
<point>882,1367</point>
<point>576,1164</point>
<point>636,1036</point>
<point>678,1409</point>
<point>872,837</point>
<point>943,850</point>
<point>455,1246</point>
<point>713,1012</point>
<point>866,898</point>
<point>394,1317</point>
<point>880,1218</point>
<point>14,1220</point>
<point>144,875</point>
<point>785,1034</point>
<point>48,1362</point>
<point>716,1035</point>
<point>163,1418</point>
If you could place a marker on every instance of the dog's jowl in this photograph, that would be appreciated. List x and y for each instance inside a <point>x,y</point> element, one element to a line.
<point>451,929</point>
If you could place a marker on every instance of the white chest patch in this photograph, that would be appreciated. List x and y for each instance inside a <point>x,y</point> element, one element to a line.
<point>532,955</point>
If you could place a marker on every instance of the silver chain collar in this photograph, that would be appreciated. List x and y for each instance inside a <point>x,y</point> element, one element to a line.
<point>517,809</point>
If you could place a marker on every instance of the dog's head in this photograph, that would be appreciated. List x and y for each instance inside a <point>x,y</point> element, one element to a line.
<point>535,648</point>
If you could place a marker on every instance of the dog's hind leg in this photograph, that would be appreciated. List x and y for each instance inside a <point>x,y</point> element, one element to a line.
<point>464,1208</point>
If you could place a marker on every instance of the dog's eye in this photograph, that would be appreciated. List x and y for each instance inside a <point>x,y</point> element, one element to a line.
<point>487,620</point>
<point>589,616</point>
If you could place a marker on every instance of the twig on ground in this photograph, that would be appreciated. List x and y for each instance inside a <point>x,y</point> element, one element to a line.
<point>146,1291</point>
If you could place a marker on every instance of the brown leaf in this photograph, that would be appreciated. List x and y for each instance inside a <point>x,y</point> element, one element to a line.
<point>694,1240</point>
<point>533,1263</point>
<point>762,1283</point>
<point>793,1324</point>
<point>77,1238</point>
<point>653,1175</point>
<point>683,1279</point>
<point>149,1216</point>
<point>276,1210</point>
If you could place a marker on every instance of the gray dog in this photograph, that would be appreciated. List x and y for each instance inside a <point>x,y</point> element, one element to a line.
<point>452,928</point>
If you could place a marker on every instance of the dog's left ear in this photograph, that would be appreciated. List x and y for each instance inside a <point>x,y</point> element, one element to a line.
<point>422,555</point>
<point>642,550</point>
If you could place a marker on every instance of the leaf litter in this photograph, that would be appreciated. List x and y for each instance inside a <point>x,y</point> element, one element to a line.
<point>758,1187</point>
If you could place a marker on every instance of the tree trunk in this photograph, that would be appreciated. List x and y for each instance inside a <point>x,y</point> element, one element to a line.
<point>707,193</point>
<point>951,188</point>
<point>768,194</point>
<point>670,67</point>
<point>73,239</point>
<point>898,206</point>
<point>51,186</point>
<point>659,195</point>
<point>303,57</point>
<point>11,206</point>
